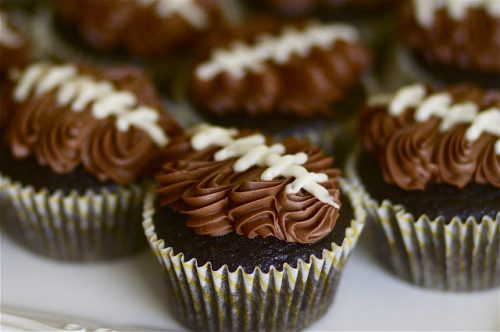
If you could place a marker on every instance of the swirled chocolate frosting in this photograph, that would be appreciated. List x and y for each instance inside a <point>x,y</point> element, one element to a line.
<point>149,28</point>
<point>264,67</point>
<point>422,135</point>
<point>457,35</point>
<point>110,121</point>
<point>217,200</point>
<point>14,45</point>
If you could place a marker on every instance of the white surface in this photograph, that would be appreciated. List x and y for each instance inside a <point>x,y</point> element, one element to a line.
<point>130,292</point>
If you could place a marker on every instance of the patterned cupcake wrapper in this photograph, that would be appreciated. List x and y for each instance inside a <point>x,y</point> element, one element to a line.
<point>221,300</point>
<point>453,255</point>
<point>77,227</point>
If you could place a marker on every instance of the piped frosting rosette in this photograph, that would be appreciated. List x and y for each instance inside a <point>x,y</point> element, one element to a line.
<point>78,148</point>
<point>227,181</point>
<point>441,149</point>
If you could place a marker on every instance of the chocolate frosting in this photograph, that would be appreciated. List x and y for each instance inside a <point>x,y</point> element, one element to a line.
<point>113,24</point>
<point>217,200</point>
<point>471,43</point>
<point>64,139</point>
<point>303,85</point>
<point>413,154</point>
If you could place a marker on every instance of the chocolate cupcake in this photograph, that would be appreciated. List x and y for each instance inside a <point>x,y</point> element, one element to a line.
<point>296,78</point>
<point>157,34</point>
<point>250,235</point>
<point>146,28</point>
<point>431,174</point>
<point>454,39</point>
<point>14,45</point>
<point>77,150</point>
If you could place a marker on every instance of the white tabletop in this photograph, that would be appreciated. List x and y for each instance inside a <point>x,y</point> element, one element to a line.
<point>130,293</point>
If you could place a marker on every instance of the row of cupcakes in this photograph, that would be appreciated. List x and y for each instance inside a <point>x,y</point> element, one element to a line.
<point>80,149</point>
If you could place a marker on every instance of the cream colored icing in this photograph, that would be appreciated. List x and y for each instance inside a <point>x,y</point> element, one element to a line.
<point>252,151</point>
<point>457,9</point>
<point>9,37</point>
<point>440,105</point>
<point>81,91</point>
<point>241,58</point>
<point>189,10</point>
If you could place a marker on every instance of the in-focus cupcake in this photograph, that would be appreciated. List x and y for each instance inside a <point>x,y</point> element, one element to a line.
<point>454,39</point>
<point>250,235</point>
<point>77,149</point>
<point>431,171</point>
<point>14,45</point>
<point>295,78</point>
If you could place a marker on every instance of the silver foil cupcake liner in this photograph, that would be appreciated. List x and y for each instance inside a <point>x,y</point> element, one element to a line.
<point>76,227</point>
<point>286,299</point>
<point>452,255</point>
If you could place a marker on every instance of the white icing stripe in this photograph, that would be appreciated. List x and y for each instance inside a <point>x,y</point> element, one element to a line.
<point>189,10</point>
<point>241,58</point>
<point>440,105</point>
<point>80,91</point>
<point>252,151</point>
<point>425,10</point>
<point>9,37</point>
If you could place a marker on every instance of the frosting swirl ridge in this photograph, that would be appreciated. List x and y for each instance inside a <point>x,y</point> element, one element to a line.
<point>218,199</point>
<point>66,121</point>
<point>421,135</point>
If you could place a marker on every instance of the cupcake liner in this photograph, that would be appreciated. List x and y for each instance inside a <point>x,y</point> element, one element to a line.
<point>453,255</point>
<point>221,300</point>
<point>77,227</point>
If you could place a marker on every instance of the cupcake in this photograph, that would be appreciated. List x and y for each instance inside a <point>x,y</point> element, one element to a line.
<point>14,45</point>
<point>157,34</point>
<point>77,149</point>
<point>430,170</point>
<point>145,28</point>
<point>454,40</point>
<point>287,79</point>
<point>249,235</point>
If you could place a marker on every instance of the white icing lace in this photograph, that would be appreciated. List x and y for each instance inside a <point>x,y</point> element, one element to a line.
<point>79,92</point>
<point>440,105</point>
<point>240,58</point>
<point>425,10</point>
<point>252,151</point>
<point>189,10</point>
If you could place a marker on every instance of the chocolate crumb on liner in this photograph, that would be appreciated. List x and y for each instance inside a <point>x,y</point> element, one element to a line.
<point>96,225</point>
<point>452,255</point>
<point>281,299</point>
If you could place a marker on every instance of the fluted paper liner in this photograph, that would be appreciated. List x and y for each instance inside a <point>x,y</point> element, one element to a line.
<point>80,227</point>
<point>453,255</point>
<point>220,300</point>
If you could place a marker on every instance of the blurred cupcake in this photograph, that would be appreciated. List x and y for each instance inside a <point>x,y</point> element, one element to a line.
<point>454,39</point>
<point>250,236</point>
<point>159,34</point>
<point>14,45</point>
<point>284,79</point>
<point>431,172</point>
<point>77,150</point>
